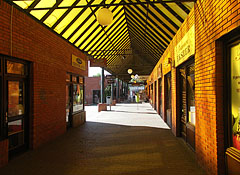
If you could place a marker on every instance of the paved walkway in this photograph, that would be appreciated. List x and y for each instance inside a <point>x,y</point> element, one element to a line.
<point>129,140</point>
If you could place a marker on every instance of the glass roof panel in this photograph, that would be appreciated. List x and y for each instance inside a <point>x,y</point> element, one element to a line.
<point>189,5</point>
<point>104,38</point>
<point>78,22</point>
<point>178,10</point>
<point>87,33</point>
<point>149,28</point>
<point>170,15</point>
<point>163,20</point>
<point>117,37</point>
<point>24,4</point>
<point>71,15</point>
<point>38,13</point>
<point>91,37</point>
<point>55,15</point>
<point>67,3</point>
<point>43,3</point>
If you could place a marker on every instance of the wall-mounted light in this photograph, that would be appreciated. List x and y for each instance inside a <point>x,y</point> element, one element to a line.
<point>130,71</point>
<point>104,16</point>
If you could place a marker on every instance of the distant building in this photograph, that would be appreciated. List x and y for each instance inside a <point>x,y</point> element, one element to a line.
<point>93,90</point>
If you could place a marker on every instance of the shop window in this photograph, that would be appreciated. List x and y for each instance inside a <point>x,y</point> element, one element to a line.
<point>191,94</point>
<point>74,96</point>
<point>235,95</point>
<point>15,68</point>
<point>14,102</point>
<point>77,97</point>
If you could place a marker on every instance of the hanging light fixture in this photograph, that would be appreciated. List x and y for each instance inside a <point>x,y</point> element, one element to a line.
<point>104,16</point>
<point>130,71</point>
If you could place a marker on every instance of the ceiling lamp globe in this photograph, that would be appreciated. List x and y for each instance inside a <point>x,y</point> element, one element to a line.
<point>130,71</point>
<point>104,16</point>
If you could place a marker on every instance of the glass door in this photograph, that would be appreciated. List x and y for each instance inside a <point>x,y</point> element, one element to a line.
<point>183,91</point>
<point>68,106</point>
<point>14,104</point>
<point>15,113</point>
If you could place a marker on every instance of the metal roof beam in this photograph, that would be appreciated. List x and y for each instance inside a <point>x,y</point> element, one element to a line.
<point>155,55</point>
<point>152,41</point>
<point>51,10</point>
<point>116,4</point>
<point>159,42</point>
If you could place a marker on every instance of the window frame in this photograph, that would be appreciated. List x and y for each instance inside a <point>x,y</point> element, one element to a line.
<point>77,82</point>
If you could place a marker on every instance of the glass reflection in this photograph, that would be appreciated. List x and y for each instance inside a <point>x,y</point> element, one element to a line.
<point>15,68</point>
<point>15,127</point>
<point>15,98</point>
<point>77,97</point>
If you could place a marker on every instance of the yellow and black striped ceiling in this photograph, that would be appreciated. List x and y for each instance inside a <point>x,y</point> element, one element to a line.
<point>140,32</point>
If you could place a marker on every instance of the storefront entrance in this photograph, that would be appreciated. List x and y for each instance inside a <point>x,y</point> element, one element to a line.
<point>187,102</point>
<point>14,103</point>
<point>232,103</point>
<point>74,97</point>
<point>155,95</point>
<point>160,97</point>
<point>168,99</point>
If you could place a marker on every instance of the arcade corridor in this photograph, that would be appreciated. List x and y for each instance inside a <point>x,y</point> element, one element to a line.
<point>129,139</point>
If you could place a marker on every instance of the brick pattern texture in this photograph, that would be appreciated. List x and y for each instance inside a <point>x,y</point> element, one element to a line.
<point>50,58</point>
<point>213,19</point>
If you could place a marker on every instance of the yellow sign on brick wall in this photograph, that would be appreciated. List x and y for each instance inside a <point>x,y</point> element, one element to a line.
<point>78,62</point>
<point>186,47</point>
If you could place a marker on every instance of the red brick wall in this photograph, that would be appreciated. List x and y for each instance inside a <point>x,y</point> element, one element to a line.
<point>91,83</point>
<point>220,18</point>
<point>213,19</point>
<point>51,60</point>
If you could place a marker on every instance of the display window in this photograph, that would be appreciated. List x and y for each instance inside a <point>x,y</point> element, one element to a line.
<point>168,98</point>
<point>187,101</point>
<point>74,96</point>
<point>14,102</point>
<point>235,95</point>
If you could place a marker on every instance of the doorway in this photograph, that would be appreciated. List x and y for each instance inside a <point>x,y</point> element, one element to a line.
<point>15,103</point>
<point>155,95</point>
<point>74,97</point>
<point>168,99</point>
<point>187,105</point>
<point>160,97</point>
<point>96,96</point>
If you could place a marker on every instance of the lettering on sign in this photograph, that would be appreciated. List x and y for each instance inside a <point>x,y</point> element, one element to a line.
<point>186,47</point>
<point>78,62</point>
<point>110,76</point>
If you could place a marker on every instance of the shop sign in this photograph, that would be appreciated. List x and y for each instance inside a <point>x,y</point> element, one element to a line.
<point>110,81</point>
<point>98,62</point>
<point>186,47</point>
<point>159,71</point>
<point>78,62</point>
<point>167,64</point>
<point>143,77</point>
<point>110,76</point>
<point>235,82</point>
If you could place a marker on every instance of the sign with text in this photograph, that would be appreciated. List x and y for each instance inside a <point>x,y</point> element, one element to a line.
<point>235,83</point>
<point>110,81</point>
<point>186,47</point>
<point>110,76</point>
<point>166,67</point>
<point>159,71</point>
<point>98,62</point>
<point>78,62</point>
